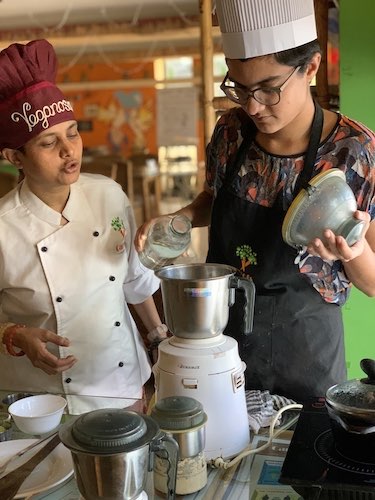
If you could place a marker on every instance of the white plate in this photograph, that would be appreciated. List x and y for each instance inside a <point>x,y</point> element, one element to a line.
<point>53,470</point>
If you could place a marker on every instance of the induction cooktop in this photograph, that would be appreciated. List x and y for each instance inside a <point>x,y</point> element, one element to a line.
<point>316,469</point>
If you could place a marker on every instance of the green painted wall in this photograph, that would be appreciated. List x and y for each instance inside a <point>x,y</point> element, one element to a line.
<point>357,100</point>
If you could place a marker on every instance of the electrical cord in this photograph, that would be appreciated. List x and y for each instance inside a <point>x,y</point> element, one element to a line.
<point>220,463</point>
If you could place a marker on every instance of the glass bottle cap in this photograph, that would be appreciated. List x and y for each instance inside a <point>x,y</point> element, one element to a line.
<point>180,224</point>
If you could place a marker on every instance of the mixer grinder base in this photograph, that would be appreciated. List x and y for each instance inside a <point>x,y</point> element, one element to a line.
<point>211,372</point>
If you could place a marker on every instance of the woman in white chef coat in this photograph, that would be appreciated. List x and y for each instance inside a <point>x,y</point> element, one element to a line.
<point>68,267</point>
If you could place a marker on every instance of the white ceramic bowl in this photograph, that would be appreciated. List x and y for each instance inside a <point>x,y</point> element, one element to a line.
<point>38,414</point>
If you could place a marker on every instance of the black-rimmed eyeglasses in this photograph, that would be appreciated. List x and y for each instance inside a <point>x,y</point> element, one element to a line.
<point>269,96</point>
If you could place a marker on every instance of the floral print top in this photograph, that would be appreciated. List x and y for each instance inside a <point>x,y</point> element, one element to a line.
<point>263,176</point>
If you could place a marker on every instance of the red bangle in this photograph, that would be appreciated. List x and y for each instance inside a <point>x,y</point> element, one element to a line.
<point>8,340</point>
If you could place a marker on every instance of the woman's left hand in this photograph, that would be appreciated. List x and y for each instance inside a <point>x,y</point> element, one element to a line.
<point>335,247</point>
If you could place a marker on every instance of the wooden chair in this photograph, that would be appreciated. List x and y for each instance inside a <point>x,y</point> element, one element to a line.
<point>125,177</point>
<point>107,166</point>
<point>121,171</point>
<point>147,182</point>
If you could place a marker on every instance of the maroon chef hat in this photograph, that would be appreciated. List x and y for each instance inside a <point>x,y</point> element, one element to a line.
<point>30,102</point>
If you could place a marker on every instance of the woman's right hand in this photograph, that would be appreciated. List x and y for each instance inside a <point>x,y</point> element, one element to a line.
<point>33,342</point>
<point>198,212</point>
<point>141,235</point>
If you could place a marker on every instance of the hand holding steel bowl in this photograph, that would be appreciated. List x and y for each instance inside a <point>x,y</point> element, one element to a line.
<point>351,408</point>
<point>327,203</point>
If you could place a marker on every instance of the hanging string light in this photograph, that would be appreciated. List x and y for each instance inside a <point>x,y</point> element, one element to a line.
<point>64,69</point>
<point>118,69</point>
<point>104,13</point>
<point>181,14</point>
<point>137,13</point>
<point>138,10</point>
<point>108,19</point>
<point>58,26</point>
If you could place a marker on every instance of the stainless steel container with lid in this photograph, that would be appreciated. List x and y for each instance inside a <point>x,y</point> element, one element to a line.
<point>184,420</point>
<point>112,451</point>
<point>351,408</point>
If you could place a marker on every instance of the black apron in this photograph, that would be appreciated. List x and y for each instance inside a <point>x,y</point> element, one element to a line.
<point>296,348</point>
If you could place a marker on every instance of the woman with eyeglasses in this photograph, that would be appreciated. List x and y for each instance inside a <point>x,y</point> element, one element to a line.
<point>258,155</point>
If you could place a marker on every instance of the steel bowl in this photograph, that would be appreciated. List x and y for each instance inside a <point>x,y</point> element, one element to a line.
<point>327,203</point>
<point>12,398</point>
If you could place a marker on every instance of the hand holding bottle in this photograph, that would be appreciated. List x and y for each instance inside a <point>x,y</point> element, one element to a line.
<point>168,237</point>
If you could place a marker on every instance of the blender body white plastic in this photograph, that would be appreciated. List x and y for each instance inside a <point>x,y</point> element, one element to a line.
<point>211,371</point>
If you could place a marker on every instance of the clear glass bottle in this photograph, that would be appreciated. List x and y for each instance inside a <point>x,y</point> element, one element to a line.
<point>167,238</point>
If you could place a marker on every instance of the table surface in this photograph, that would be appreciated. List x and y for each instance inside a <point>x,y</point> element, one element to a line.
<point>255,477</point>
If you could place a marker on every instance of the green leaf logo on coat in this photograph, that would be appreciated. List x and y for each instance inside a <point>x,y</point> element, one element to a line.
<point>118,225</point>
<point>247,256</point>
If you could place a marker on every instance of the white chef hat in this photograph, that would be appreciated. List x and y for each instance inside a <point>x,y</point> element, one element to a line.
<point>252,28</point>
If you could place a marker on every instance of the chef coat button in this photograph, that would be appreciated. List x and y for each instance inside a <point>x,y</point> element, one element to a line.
<point>44,249</point>
<point>68,380</point>
<point>59,299</point>
<point>117,323</point>
<point>112,278</point>
<point>121,364</point>
<point>95,233</point>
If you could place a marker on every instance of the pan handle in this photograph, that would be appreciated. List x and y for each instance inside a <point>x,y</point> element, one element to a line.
<point>368,366</point>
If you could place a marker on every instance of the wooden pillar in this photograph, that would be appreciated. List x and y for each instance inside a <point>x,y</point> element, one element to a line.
<point>207,94</point>
<point>207,52</point>
<point>322,87</point>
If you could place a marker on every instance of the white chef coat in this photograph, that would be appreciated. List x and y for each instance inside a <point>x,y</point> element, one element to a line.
<point>75,280</point>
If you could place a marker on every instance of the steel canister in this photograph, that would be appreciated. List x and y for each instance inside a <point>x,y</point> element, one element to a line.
<point>184,420</point>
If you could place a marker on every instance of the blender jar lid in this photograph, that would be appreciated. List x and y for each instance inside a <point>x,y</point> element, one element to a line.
<point>111,430</point>
<point>178,413</point>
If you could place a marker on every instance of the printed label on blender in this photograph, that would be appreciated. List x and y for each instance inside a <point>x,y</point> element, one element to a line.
<point>198,292</point>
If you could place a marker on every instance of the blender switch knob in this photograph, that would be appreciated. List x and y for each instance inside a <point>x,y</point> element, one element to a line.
<point>190,383</point>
